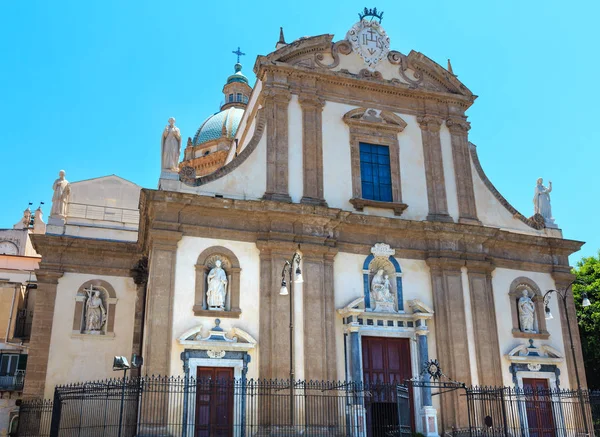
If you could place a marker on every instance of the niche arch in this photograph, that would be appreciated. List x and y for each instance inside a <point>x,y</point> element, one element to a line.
<point>109,300</point>
<point>231,265</point>
<point>517,286</point>
<point>380,255</point>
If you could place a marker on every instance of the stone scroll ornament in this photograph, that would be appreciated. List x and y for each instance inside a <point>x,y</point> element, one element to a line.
<point>368,38</point>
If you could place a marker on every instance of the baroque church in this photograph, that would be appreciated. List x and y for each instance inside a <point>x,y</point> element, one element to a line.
<point>340,191</point>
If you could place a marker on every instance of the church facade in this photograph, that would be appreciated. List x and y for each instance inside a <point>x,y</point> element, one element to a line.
<point>356,158</point>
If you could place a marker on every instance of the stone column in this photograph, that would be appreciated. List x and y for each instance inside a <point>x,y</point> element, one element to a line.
<point>159,302</point>
<point>158,329</point>
<point>312,147</point>
<point>434,168</point>
<point>451,336</point>
<point>140,278</point>
<point>467,210</point>
<point>319,315</point>
<point>485,329</point>
<point>428,413</point>
<point>274,328</point>
<point>561,281</point>
<point>355,362</point>
<point>41,333</point>
<point>276,102</point>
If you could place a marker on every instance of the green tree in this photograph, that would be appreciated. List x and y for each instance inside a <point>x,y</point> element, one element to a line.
<point>588,273</point>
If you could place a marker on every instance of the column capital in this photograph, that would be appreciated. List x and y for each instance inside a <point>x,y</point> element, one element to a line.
<point>310,100</point>
<point>430,123</point>
<point>164,239</point>
<point>277,94</point>
<point>44,276</point>
<point>458,125</point>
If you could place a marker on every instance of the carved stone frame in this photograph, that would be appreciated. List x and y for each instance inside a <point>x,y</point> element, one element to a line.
<point>380,129</point>
<point>234,283</point>
<point>111,306</point>
<point>515,291</point>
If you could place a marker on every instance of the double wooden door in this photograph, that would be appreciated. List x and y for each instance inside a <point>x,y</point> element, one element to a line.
<point>538,403</point>
<point>214,402</point>
<point>386,362</point>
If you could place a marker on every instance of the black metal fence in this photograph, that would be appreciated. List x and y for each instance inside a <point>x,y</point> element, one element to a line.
<point>158,406</point>
<point>504,411</point>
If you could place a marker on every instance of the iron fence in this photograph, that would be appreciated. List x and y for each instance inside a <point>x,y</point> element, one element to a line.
<point>509,412</point>
<point>34,418</point>
<point>186,407</point>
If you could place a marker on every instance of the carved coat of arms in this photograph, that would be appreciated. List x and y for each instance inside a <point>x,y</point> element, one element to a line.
<point>370,41</point>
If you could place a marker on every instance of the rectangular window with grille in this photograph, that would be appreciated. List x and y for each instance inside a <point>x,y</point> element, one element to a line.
<point>375,174</point>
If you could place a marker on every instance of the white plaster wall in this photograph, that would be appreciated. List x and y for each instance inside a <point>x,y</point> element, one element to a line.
<point>248,181</point>
<point>337,170</point>
<point>348,285</point>
<point>87,358</point>
<point>188,250</point>
<point>492,213</point>
<point>449,175</point>
<point>412,170</point>
<point>295,164</point>
<point>501,280</point>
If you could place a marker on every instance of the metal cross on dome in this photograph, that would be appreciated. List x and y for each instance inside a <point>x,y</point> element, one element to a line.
<point>239,53</point>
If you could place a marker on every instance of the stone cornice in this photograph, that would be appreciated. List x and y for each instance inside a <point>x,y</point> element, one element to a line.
<point>324,78</point>
<point>84,255</point>
<point>292,224</point>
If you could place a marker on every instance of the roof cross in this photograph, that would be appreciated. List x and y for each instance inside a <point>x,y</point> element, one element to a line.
<point>238,53</point>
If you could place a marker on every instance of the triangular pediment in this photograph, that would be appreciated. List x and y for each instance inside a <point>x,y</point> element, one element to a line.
<point>415,70</point>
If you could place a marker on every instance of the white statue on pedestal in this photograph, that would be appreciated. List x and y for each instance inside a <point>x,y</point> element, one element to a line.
<point>381,291</point>
<point>60,198</point>
<point>541,201</point>
<point>217,287</point>
<point>171,147</point>
<point>526,312</point>
<point>95,313</point>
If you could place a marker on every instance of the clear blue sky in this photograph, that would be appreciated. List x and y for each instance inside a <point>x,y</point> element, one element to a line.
<point>89,85</point>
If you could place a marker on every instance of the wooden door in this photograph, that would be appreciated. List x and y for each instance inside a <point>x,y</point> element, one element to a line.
<point>385,361</point>
<point>538,403</point>
<point>214,402</point>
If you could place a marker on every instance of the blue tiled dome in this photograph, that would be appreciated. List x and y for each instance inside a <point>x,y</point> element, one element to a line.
<point>221,124</point>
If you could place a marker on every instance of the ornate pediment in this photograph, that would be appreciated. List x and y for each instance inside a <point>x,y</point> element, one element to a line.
<point>544,354</point>
<point>349,58</point>
<point>217,339</point>
<point>374,118</point>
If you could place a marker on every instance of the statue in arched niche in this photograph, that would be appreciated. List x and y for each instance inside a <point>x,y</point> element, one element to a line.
<point>526,312</point>
<point>95,313</point>
<point>217,287</point>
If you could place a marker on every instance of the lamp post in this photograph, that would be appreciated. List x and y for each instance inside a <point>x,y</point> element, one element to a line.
<point>585,302</point>
<point>288,268</point>
<point>121,363</point>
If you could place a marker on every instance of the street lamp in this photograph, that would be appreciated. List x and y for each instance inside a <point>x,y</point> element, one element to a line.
<point>585,302</point>
<point>121,363</point>
<point>288,268</point>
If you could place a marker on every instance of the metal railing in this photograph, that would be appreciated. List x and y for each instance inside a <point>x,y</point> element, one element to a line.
<point>186,407</point>
<point>505,411</point>
<point>12,382</point>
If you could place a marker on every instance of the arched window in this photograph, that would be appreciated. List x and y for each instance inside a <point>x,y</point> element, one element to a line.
<point>95,308</point>
<point>525,288</point>
<point>230,98</point>
<point>238,97</point>
<point>217,283</point>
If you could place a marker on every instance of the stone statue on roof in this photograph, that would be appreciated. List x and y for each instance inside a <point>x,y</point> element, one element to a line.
<point>171,147</point>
